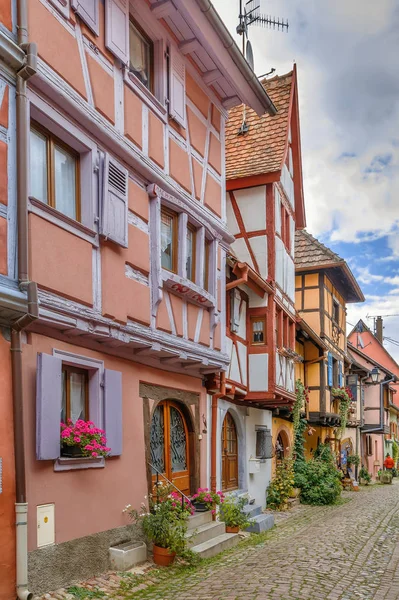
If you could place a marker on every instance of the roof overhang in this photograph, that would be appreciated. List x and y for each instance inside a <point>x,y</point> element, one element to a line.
<point>341,276</point>
<point>202,35</point>
<point>302,325</point>
<point>247,276</point>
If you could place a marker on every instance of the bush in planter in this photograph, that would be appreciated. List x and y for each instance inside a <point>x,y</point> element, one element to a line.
<point>165,523</point>
<point>364,475</point>
<point>231,513</point>
<point>208,498</point>
<point>89,440</point>
<point>319,482</point>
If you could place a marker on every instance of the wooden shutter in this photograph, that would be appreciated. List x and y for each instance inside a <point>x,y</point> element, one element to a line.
<point>177,87</point>
<point>330,370</point>
<point>117,28</point>
<point>114,202</point>
<point>88,11</point>
<point>113,411</point>
<point>62,6</point>
<point>235,311</point>
<point>48,406</point>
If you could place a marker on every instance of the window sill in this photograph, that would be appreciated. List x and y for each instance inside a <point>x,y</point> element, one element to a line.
<point>187,289</point>
<point>54,216</point>
<point>71,464</point>
<point>144,93</point>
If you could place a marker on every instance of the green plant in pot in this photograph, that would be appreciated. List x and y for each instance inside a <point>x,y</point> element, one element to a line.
<point>232,515</point>
<point>364,476</point>
<point>353,460</point>
<point>164,524</point>
<point>205,499</point>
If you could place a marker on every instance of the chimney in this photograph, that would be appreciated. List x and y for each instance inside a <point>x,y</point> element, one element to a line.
<point>379,329</point>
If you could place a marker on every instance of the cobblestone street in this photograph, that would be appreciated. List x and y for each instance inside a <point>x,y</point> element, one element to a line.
<point>343,552</point>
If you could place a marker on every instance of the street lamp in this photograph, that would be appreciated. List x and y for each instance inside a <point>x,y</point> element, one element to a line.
<point>375,374</point>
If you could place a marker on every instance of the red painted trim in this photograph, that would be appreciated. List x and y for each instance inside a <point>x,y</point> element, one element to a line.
<point>252,181</point>
<point>243,231</point>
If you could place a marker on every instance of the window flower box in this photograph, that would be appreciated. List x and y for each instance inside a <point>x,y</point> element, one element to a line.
<point>83,440</point>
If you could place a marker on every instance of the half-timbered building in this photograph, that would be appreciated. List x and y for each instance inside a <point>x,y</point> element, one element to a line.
<point>121,210</point>
<point>324,285</point>
<point>264,204</point>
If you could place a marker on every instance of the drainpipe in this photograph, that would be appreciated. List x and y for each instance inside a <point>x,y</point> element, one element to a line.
<point>22,133</point>
<point>214,435</point>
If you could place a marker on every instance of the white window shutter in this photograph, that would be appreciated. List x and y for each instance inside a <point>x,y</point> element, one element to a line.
<point>88,11</point>
<point>114,202</point>
<point>177,87</point>
<point>62,6</point>
<point>235,311</point>
<point>117,28</point>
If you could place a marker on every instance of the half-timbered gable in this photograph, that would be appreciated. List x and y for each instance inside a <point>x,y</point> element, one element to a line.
<point>264,208</point>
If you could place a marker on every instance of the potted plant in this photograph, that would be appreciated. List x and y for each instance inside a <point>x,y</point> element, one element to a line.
<point>205,499</point>
<point>364,475</point>
<point>83,439</point>
<point>353,459</point>
<point>231,513</point>
<point>164,524</point>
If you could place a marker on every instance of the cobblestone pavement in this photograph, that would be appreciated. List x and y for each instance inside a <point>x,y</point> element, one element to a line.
<point>344,552</point>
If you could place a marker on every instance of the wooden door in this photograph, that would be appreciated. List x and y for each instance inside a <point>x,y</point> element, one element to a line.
<point>229,454</point>
<point>170,445</point>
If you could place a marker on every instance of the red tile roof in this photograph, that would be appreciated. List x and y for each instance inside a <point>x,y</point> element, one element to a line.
<point>260,150</point>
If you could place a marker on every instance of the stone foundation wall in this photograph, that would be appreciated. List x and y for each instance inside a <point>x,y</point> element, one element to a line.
<point>61,565</point>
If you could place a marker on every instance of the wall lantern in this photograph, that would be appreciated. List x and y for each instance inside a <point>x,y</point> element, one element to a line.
<point>375,374</point>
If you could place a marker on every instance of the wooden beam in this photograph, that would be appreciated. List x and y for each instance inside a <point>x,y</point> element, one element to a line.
<point>163,8</point>
<point>231,101</point>
<point>211,76</point>
<point>189,46</point>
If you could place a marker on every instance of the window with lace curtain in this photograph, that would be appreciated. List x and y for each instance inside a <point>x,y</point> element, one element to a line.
<point>141,59</point>
<point>258,330</point>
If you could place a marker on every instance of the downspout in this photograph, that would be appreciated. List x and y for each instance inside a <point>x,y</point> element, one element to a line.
<point>22,129</point>
<point>214,435</point>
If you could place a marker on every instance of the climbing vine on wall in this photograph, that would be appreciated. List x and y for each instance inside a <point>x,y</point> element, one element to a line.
<point>300,425</point>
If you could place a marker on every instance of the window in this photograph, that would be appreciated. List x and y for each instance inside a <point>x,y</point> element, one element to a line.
<point>190,256</point>
<point>54,173</point>
<point>141,56</point>
<point>278,329</point>
<point>335,367</point>
<point>258,330</point>
<point>75,396</point>
<point>264,443</point>
<point>169,240</point>
<point>285,331</point>
<point>336,311</point>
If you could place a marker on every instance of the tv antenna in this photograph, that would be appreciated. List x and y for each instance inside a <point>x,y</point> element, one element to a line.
<point>250,15</point>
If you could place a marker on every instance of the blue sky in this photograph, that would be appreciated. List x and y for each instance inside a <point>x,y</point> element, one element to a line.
<point>347,56</point>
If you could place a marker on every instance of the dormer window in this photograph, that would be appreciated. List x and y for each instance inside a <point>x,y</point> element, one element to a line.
<point>141,55</point>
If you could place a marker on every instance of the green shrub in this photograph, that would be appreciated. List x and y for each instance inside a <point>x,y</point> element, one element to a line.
<point>319,481</point>
<point>281,487</point>
<point>353,459</point>
<point>231,512</point>
<point>365,475</point>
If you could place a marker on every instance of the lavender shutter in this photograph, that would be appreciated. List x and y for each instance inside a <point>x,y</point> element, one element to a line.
<point>48,406</point>
<point>117,28</point>
<point>114,204</point>
<point>88,11</point>
<point>177,87</point>
<point>113,411</point>
<point>62,6</point>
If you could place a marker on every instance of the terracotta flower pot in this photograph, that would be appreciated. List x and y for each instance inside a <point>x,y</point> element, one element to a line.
<point>163,556</point>
<point>232,529</point>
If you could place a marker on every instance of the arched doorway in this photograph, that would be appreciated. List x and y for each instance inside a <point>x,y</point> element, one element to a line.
<point>169,444</point>
<point>280,450</point>
<point>229,454</point>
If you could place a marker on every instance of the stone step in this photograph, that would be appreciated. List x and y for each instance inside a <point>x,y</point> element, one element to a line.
<point>216,545</point>
<point>205,532</point>
<point>198,519</point>
<point>261,522</point>
<point>252,510</point>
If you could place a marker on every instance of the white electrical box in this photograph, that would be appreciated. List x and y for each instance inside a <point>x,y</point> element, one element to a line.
<point>254,466</point>
<point>45,525</point>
